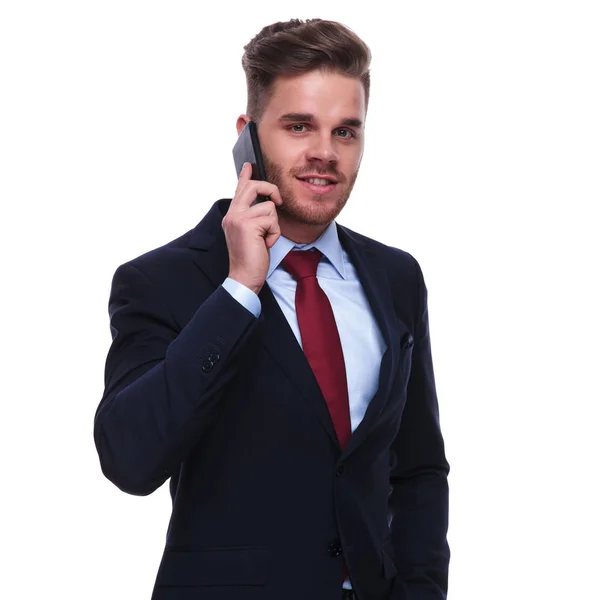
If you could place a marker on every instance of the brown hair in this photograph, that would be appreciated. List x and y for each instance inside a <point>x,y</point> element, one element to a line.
<point>296,47</point>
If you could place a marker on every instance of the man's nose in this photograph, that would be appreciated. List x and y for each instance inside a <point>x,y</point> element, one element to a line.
<point>323,149</point>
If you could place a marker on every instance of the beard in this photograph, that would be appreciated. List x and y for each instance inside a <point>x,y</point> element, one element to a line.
<point>320,212</point>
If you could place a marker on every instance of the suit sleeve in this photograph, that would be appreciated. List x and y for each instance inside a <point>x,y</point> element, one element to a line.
<point>419,486</point>
<point>162,384</point>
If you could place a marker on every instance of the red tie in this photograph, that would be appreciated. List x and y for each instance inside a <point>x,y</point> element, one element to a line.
<point>320,338</point>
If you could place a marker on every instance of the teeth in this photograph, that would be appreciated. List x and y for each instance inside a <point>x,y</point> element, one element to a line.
<point>316,181</point>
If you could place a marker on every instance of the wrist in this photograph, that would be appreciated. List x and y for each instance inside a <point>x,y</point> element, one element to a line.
<point>245,281</point>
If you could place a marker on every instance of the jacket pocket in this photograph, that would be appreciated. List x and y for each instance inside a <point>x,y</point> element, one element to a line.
<point>233,565</point>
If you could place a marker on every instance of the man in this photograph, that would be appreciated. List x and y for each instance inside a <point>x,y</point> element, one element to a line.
<point>276,366</point>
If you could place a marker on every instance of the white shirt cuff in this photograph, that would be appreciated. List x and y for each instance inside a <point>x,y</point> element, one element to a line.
<point>245,296</point>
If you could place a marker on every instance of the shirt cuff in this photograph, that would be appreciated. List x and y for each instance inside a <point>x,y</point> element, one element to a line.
<point>245,296</point>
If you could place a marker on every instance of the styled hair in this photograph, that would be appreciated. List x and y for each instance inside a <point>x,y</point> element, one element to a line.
<point>296,47</point>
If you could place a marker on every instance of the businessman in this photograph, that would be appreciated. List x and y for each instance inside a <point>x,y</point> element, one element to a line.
<point>276,366</point>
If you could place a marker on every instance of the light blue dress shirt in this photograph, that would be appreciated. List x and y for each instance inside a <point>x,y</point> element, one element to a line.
<point>363,345</point>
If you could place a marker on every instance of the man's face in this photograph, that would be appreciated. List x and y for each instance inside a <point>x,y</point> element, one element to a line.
<point>313,125</point>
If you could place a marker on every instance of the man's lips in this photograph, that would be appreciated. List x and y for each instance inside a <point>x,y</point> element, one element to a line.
<point>331,178</point>
<point>317,189</point>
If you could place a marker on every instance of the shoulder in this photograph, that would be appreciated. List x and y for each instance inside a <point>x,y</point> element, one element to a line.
<point>397,263</point>
<point>172,259</point>
<point>163,262</point>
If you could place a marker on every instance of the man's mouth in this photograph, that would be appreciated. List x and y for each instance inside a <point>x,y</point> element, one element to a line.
<point>316,180</point>
<point>317,185</point>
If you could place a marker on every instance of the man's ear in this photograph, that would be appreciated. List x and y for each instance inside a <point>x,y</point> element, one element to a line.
<point>241,123</point>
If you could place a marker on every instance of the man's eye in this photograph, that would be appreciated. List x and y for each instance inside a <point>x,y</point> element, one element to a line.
<point>350,134</point>
<point>293,126</point>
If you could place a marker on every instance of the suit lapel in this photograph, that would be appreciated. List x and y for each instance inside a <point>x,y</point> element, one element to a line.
<point>208,237</point>
<point>283,346</point>
<point>278,337</point>
<point>368,265</point>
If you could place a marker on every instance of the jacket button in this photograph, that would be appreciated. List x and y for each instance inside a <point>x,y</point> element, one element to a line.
<point>214,357</point>
<point>334,550</point>
<point>340,470</point>
<point>407,342</point>
<point>207,365</point>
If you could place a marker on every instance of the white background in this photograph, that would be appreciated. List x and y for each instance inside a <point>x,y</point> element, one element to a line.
<point>117,121</point>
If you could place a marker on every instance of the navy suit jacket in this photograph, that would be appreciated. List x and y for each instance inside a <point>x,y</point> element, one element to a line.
<point>266,506</point>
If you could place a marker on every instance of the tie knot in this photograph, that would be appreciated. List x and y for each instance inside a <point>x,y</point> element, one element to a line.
<point>302,263</point>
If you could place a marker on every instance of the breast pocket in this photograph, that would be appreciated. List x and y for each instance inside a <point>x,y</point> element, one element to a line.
<point>407,343</point>
<point>239,565</point>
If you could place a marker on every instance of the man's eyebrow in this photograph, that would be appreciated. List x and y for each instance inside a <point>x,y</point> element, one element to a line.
<point>308,118</point>
<point>352,123</point>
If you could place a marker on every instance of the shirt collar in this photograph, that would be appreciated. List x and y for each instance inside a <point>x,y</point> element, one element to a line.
<point>328,243</point>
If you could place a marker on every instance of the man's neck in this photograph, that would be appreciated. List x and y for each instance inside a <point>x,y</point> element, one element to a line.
<point>301,233</point>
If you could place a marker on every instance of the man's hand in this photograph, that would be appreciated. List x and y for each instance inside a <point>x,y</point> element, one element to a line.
<point>250,231</point>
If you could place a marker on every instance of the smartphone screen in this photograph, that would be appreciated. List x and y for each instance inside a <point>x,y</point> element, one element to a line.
<point>247,149</point>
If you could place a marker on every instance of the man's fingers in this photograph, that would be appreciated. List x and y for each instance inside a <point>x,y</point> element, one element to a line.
<point>266,208</point>
<point>247,196</point>
<point>248,189</point>
<point>270,227</point>
<point>261,211</point>
<point>244,178</point>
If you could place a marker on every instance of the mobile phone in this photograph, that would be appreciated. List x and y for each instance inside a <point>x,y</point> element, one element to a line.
<point>247,149</point>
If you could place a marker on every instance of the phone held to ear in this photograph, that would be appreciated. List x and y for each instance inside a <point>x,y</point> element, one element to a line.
<point>247,149</point>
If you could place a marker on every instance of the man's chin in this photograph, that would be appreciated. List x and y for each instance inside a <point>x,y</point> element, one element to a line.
<point>315,211</point>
